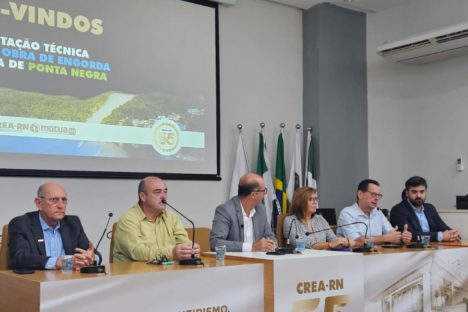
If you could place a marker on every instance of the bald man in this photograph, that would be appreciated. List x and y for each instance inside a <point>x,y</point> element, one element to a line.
<point>39,239</point>
<point>148,231</point>
<point>241,223</point>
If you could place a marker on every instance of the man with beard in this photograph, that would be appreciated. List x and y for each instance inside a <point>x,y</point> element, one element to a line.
<point>370,224</point>
<point>422,218</point>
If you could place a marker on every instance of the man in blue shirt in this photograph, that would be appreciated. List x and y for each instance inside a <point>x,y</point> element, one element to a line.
<point>422,218</point>
<point>40,239</point>
<point>371,226</point>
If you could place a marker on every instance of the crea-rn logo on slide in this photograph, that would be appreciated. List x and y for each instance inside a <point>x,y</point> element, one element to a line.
<point>166,137</point>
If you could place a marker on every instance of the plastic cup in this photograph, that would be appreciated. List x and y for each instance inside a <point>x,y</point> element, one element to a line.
<point>425,239</point>
<point>300,245</point>
<point>67,263</point>
<point>220,253</point>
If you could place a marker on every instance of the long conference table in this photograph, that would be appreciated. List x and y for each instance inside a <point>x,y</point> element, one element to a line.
<point>138,287</point>
<point>384,280</point>
<point>388,279</point>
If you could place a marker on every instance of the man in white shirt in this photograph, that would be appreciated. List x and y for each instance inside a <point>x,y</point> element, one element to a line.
<point>241,223</point>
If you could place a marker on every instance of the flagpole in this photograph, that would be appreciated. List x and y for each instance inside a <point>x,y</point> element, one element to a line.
<point>280,172</point>
<point>309,172</point>
<point>264,169</point>
<point>239,127</point>
<point>295,173</point>
<point>241,166</point>
<point>306,169</point>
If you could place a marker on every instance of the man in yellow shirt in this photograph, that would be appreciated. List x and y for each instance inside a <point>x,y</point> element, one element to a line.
<point>148,231</point>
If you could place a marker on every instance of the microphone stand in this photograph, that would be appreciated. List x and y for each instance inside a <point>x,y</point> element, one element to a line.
<point>97,267</point>
<point>193,260</point>
<point>289,249</point>
<point>365,248</point>
<point>416,244</point>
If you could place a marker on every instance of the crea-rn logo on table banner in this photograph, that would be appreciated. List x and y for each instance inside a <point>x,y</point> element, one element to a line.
<point>331,302</point>
<point>223,308</point>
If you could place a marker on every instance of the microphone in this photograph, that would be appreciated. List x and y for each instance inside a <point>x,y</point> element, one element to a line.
<point>193,260</point>
<point>97,267</point>
<point>364,248</point>
<point>102,236</point>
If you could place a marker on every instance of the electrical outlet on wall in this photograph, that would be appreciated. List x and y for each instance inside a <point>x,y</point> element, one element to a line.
<point>459,164</point>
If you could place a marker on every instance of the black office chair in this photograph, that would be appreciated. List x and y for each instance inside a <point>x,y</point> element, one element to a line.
<point>329,214</point>
<point>385,212</point>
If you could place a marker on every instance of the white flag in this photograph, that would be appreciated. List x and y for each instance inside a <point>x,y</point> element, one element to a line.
<point>295,174</point>
<point>240,167</point>
<point>310,166</point>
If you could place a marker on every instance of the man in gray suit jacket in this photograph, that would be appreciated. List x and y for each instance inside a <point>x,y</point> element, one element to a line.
<point>241,223</point>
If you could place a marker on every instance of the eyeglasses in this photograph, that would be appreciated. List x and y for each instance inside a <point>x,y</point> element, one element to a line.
<point>265,190</point>
<point>375,195</point>
<point>55,200</point>
<point>314,200</point>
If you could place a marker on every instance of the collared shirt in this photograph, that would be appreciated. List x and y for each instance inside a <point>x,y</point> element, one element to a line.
<point>139,239</point>
<point>292,226</point>
<point>377,223</point>
<point>423,220</point>
<point>248,229</point>
<point>53,243</point>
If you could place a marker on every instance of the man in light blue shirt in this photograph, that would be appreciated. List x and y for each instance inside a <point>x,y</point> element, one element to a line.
<point>39,239</point>
<point>364,222</point>
<point>53,243</point>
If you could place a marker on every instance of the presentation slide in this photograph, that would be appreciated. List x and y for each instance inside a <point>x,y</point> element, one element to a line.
<point>109,86</point>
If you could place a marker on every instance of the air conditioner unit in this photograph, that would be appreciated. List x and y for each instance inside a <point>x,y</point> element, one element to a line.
<point>432,46</point>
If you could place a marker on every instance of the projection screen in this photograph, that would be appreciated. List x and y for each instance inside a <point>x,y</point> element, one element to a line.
<point>109,88</point>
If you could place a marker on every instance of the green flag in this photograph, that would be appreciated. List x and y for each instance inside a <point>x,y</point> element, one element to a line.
<point>280,176</point>
<point>263,169</point>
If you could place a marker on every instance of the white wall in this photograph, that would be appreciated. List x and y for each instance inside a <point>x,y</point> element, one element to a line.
<point>261,80</point>
<point>417,114</point>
